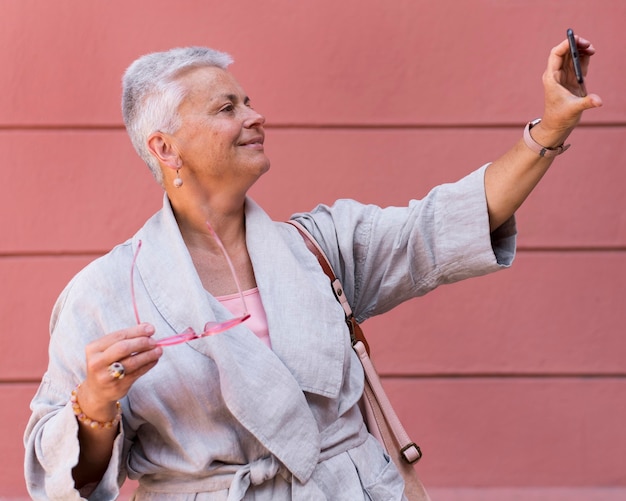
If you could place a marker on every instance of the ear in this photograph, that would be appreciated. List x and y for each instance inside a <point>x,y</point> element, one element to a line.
<point>161,146</point>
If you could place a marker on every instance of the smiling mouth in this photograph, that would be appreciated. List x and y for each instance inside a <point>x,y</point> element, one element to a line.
<point>255,141</point>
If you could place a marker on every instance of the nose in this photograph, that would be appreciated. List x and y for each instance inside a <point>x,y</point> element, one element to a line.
<point>253,119</point>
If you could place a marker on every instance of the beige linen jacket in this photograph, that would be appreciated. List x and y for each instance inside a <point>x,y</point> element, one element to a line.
<point>225,417</point>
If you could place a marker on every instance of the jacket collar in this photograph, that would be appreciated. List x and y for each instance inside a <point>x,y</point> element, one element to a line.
<point>305,323</point>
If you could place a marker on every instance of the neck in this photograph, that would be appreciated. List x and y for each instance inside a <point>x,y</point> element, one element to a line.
<point>226,216</point>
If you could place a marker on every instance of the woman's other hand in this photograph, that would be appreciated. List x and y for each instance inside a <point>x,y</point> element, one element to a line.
<point>135,349</point>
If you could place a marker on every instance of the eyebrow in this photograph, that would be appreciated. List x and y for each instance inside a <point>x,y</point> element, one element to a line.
<point>234,98</point>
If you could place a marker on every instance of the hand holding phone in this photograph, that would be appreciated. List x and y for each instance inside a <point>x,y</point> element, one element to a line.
<point>573,47</point>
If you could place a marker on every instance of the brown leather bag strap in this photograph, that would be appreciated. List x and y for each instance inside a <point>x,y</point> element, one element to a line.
<point>393,435</point>
<point>356,333</point>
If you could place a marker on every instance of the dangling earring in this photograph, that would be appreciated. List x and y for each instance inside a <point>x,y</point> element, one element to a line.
<point>178,182</point>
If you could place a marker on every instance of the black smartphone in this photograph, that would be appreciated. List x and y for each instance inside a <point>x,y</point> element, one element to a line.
<point>573,48</point>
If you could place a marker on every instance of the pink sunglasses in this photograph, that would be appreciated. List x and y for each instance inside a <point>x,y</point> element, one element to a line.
<point>210,328</point>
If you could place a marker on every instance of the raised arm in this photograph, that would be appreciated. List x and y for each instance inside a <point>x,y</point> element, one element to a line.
<point>511,178</point>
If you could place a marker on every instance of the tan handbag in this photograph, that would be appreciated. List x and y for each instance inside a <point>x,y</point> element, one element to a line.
<point>380,418</point>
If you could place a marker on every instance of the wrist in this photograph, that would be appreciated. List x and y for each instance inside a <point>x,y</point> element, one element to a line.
<point>544,144</point>
<point>95,417</point>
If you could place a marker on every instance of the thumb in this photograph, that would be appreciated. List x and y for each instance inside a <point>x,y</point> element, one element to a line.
<point>592,101</point>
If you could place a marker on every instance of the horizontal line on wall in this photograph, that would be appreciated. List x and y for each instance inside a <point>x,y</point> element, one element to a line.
<point>303,126</point>
<point>38,254</point>
<point>61,127</point>
<point>505,375</point>
<point>573,249</point>
<point>8,381</point>
<point>425,126</point>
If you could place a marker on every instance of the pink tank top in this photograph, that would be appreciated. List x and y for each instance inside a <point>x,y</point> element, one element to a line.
<point>257,322</point>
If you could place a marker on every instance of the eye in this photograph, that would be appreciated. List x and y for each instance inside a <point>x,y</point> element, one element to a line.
<point>228,108</point>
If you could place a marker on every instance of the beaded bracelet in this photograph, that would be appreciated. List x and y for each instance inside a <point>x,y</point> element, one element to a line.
<point>92,423</point>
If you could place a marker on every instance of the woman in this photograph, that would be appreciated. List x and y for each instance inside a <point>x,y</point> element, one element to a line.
<point>249,413</point>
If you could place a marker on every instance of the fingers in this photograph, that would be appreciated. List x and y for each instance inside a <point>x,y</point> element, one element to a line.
<point>127,342</point>
<point>139,333</point>
<point>134,348</point>
<point>137,363</point>
<point>560,59</point>
<point>565,98</point>
<point>585,48</point>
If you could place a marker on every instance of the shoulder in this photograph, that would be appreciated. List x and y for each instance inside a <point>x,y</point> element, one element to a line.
<point>105,268</point>
<point>98,282</point>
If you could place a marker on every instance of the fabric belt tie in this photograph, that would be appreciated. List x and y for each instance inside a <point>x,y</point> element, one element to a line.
<point>264,469</point>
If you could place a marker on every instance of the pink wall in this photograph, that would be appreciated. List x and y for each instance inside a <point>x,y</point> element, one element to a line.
<point>513,384</point>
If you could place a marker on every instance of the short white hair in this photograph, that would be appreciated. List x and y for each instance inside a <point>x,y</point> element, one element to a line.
<point>151,94</point>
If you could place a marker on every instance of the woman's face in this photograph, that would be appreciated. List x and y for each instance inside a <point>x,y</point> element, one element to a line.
<point>221,137</point>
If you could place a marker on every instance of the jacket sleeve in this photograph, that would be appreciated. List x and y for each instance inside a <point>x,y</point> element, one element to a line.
<point>51,436</point>
<point>385,256</point>
<point>52,450</point>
